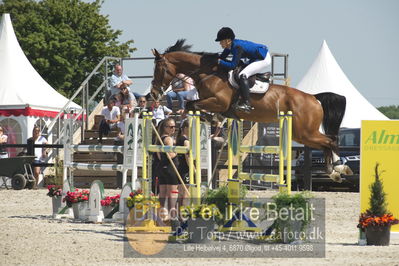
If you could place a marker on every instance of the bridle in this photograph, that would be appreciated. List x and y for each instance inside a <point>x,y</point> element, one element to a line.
<point>165,70</point>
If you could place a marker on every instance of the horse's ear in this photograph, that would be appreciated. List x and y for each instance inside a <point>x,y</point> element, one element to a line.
<point>156,53</point>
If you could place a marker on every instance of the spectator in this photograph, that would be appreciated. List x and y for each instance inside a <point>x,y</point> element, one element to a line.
<point>121,127</point>
<point>181,84</point>
<point>118,80</point>
<point>217,134</point>
<point>3,140</point>
<point>183,140</point>
<point>111,115</point>
<point>126,99</point>
<point>168,179</point>
<point>160,112</point>
<point>142,105</point>
<point>40,153</point>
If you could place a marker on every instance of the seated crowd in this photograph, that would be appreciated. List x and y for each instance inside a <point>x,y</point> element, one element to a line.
<point>122,101</point>
<point>172,127</point>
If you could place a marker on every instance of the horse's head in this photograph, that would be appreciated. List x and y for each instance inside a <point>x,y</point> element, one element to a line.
<point>164,72</point>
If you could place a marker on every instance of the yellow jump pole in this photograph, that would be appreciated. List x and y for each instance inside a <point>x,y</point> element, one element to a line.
<point>289,150</point>
<point>190,156</point>
<point>198,155</point>
<point>145,143</point>
<point>147,117</point>
<point>229,150</point>
<point>229,163</point>
<point>281,152</point>
<point>239,153</point>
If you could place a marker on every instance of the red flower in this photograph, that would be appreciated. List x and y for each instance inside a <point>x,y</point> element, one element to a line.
<point>54,191</point>
<point>76,196</point>
<point>366,219</point>
<point>110,201</point>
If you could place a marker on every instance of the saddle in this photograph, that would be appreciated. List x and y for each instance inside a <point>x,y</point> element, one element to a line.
<point>258,83</point>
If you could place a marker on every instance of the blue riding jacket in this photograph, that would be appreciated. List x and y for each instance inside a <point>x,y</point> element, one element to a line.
<point>243,49</point>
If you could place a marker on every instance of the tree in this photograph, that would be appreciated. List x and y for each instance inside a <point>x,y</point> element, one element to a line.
<point>391,111</point>
<point>64,39</point>
<point>378,204</point>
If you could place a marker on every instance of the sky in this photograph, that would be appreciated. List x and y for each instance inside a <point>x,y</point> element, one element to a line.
<point>363,35</point>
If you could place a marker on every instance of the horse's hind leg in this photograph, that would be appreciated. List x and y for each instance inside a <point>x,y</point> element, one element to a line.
<point>323,142</point>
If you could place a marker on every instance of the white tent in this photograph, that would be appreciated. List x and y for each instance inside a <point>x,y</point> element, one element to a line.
<point>25,97</point>
<point>325,75</point>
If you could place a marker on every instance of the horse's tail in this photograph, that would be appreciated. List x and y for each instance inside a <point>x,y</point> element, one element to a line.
<point>334,106</point>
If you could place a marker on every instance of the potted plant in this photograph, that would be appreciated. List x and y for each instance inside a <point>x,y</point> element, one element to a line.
<point>201,220</point>
<point>220,198</point>
<point>78,200</point>
<point>291,214</point>
<point>137,202</point>
<point>377,220</point>
<point>55,192</point>
<point>110,205</point>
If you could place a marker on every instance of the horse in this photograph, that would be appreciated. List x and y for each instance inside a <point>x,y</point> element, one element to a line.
<point>216,95</point>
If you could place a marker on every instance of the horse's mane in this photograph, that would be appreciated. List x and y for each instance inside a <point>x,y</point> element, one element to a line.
<point>180,46</point>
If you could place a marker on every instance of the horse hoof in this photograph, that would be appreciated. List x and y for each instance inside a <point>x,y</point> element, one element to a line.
<point>336,177</point>
<point>343,169</point>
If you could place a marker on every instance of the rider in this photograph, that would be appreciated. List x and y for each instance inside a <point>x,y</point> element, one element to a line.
<point>259,60</point>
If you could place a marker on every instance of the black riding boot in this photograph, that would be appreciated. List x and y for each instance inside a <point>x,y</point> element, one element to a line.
<point>244,106</point>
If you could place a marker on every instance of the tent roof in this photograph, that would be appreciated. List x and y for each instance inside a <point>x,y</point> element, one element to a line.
<point>325,75</point>
<point>22,90</point>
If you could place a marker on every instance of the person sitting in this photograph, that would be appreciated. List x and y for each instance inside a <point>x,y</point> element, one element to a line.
<point>111,115</point>
<point>119,80</point>
<point>160,112</point>
<point>126,100</point>
<point>3,140</point>
<point>257,54</point>
<point>181,85</point>
<point>142,105</point>
<point>121,127</point>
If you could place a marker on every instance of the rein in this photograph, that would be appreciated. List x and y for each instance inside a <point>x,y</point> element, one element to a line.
<point>184,80</point>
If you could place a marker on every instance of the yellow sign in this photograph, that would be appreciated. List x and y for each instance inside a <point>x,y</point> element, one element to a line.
<point>380,143</point>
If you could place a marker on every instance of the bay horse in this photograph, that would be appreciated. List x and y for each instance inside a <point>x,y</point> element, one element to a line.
<point>216,95</point>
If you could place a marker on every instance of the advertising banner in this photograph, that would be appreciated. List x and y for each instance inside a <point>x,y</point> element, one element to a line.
<point>380,144</point>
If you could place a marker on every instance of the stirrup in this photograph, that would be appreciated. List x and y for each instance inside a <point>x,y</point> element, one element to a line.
<point>244,108</point>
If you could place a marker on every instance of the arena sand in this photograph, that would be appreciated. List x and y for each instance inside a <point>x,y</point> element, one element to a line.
<point>30,236</point>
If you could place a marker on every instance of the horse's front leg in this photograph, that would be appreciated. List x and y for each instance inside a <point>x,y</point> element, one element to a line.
<point>211,104</point>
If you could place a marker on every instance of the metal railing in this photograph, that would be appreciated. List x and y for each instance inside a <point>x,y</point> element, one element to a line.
<point>55,127</point>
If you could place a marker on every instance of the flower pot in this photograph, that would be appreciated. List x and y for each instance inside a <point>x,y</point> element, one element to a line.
<point>291,231</point>
<point>290,228</point>
<point>200,230</point>
<point>79,209</point>
<point>107,210</point>
<point>57,202</point>
<point>75,208</point>
<point>378,235</point>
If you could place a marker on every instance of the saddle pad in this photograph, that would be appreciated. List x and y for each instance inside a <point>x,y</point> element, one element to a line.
<point>258,88</point>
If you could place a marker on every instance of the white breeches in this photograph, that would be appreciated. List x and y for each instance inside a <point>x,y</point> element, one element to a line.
<point>257,67</point>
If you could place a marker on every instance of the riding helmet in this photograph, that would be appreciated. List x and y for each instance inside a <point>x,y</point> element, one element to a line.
<point>225,33</point>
